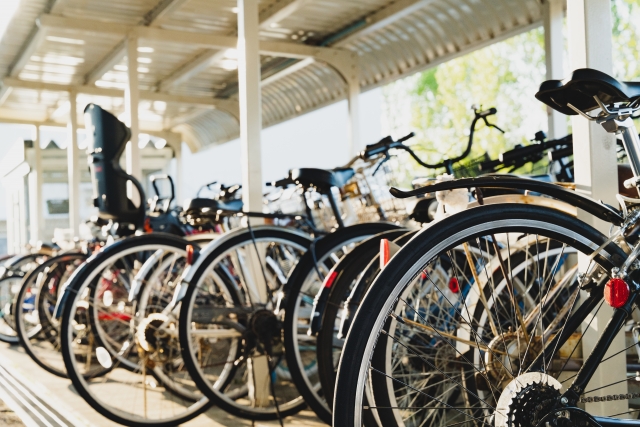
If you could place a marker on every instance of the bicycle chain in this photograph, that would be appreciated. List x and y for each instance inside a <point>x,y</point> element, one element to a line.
<point>609,398</point>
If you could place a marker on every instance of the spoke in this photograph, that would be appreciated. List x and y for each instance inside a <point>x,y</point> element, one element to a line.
<point>568,316</point>
<point>608,385</point>
<point>427,395</point>
<point>480,290</point>
<point>461,355</point>
<point>578,343</point>
<point>447,335</point>
<point>542,300</point>
<point>437,369</point>
<point>495,295</point>
<point>471,327</point>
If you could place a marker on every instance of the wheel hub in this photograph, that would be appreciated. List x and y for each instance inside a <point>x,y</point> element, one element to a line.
<point>153,339</point>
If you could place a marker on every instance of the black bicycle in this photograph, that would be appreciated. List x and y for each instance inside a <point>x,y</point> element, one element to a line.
<point>508,352</point>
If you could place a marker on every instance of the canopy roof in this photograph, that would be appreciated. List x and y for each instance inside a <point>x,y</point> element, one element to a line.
<point>186,65</point>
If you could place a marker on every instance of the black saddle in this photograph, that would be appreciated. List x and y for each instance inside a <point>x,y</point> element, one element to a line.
<point>322,179</point>
<point>198,204</point>
<point>581,88</point>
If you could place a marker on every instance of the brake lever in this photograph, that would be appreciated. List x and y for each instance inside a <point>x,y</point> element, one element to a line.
<point>491,125</point>
<point>387,157</point>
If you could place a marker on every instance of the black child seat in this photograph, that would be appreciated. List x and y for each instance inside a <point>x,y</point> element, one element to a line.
<point>581,88</point>
<point>107,138</point>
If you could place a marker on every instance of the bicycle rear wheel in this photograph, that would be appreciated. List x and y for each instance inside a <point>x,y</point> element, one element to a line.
<point>234,350</point>
<point>119,333</point>
<point>432,359</point>
<point>37,328</point>
<point>304,284</point>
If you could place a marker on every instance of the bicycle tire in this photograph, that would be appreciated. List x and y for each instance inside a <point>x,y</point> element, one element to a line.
<point>209,255</point>
<point>72,294</point>
<point>372,314</point>
<point>307,266</point>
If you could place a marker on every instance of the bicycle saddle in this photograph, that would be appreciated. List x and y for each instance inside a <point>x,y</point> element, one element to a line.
<point>322,179</point>
<point>343,175</point>
<point>581,88</point>
<point>213,205</point>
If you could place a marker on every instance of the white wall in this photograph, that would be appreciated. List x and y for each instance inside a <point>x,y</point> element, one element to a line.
<point>317,139</point>
<point>9,134</point>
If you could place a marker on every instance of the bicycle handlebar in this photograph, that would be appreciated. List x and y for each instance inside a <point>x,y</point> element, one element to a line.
<point>522,155</point>
<point>387,143</point>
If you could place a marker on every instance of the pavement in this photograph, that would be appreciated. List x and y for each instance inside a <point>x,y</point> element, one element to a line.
<point>32,397</point>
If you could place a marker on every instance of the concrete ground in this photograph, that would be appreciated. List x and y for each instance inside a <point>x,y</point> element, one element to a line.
<point>25,389</point>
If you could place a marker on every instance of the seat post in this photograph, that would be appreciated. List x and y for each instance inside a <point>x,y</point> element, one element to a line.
<point>631,144</point>
<point>334,207</point>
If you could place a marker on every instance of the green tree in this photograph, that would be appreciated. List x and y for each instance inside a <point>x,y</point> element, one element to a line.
<point>436,102</point>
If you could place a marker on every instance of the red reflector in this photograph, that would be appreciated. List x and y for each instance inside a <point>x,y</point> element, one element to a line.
<point>616,293</point>
<point>189,254</point>
<point>454,286</point>
<point>328,281</point>
<point>384,253</point>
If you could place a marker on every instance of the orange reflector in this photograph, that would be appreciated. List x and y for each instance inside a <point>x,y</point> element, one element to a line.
<point>384,253</point>
<point>328,281</point>
<point>189,254</point>
<point>616,293</point>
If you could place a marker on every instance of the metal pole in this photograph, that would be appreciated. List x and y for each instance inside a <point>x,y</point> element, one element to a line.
<point>250,103</point>
<point>178,157</point>
<point>35,191</point>
<point>72,162</point>
<point>553,18</point>
<point>590,45</point>
<point>131,102</point>
<point>354,116</point>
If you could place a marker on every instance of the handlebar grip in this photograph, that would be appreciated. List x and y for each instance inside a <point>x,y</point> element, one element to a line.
<point>406,137</point>
<point>489,165</point>
<point>560,154</point>
<point>377,148</point>
<point>486,113</point>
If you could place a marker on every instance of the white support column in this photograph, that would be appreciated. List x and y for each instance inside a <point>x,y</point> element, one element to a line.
<point>131,102</point>
<point>36,218</point>
<point>590,45</point>
<point>250,104</point>
<point>553,17</point>
<point>73,167</point>
<point>354,116</point>
<point>178,177</point>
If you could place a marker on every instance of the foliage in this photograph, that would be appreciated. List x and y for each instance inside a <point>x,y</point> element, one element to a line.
<point>436,102</point>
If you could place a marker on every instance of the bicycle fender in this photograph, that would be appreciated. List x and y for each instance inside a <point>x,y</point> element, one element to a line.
<point>595,208</point>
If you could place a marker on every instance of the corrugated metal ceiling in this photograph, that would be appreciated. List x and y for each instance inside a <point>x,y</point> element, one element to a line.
<point>391,38</point>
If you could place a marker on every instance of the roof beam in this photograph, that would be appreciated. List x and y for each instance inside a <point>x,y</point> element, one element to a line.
<point>279,11</point>
<point>106,64</point>
<point>276,12</point>
<point>170,7</point>
<point>223,104</point>
<point>385,17</point>
<point>282,49</point>
<point>196,65</point>
<point>33,41</point>
<point>170,137</point>
<point>116,55</point>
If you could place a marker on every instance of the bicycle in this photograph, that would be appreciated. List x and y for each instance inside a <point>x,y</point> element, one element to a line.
<point>507,358</point>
